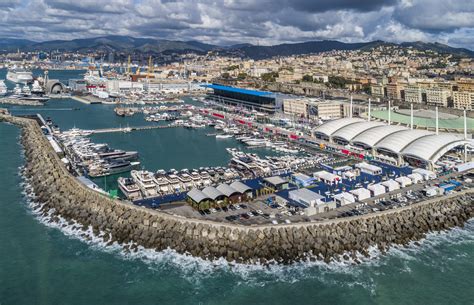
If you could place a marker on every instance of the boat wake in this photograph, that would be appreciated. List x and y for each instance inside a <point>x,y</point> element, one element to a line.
<point>349,273</point>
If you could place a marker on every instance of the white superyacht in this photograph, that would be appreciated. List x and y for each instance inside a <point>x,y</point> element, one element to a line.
<point>19,76</point>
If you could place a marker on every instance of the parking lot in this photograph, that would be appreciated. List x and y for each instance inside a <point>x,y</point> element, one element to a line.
<point>265,212</point>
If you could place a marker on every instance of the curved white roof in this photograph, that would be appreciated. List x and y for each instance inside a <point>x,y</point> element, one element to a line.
<point>396,142</point>
<point>431,148</point>
<point>212,192</point>
<point>197,195</point>
<point>226,189</point>
<point>374,135</point>
<point>332,126</point>
<point>352,130</point>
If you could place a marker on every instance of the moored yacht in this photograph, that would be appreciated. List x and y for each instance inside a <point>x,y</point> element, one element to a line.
<point>196,179</point>
<point>129,188</point>
<point>205,178</point>
<point>36,88</point>
<point>175,183</point>
<point>186,181</point>
<point>17,75</point>
<point>163,185</point>
<point>146,182</point>
<point>3,88</point>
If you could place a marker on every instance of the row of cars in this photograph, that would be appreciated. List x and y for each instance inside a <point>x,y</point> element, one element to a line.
<point>231,207</point>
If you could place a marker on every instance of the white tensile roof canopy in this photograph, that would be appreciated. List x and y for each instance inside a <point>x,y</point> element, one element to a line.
<point>420,144</point>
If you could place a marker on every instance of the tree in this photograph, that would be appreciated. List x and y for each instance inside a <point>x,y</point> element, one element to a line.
<point>232,67</point>
<point>307,78</point>
<point>225,75</point>
<point>242,75</point>
<point>269,77</point>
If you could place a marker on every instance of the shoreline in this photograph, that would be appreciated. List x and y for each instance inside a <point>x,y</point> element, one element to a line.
<point>285,243</point>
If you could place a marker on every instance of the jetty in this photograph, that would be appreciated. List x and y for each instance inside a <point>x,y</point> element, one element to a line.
<point>129,129</point>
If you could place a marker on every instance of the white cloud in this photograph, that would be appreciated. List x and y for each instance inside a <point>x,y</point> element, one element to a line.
<point>236,21</point>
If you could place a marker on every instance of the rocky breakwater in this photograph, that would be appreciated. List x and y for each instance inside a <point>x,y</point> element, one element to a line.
<point>117,221</point>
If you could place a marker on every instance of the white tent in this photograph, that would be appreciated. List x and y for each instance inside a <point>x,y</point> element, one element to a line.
<point>415,177</point>
<point>427,175</point>
<point>344,198</point>
<point>361,193</point>
<point>376,189</point>
<point>391,185</point>
<point>404,181</point>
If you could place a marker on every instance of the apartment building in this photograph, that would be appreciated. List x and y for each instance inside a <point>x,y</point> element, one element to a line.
<point>396,91</point>
<point>413,94</point>
<point>463,100</point>
<point>377,90</point>
<point>297,107</point>
<point>437,96</point>
<point>330,110</point>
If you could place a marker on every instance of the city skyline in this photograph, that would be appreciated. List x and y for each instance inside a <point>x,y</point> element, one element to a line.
<point>241,21</point>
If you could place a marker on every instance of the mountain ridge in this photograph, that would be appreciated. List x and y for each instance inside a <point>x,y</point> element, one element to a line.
<point>128,44</point>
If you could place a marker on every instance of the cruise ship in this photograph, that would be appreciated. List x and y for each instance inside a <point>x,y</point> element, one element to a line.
<point>21,76</point>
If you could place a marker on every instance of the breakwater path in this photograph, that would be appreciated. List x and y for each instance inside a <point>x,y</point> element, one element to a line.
<point>128,129</point>
<point>61,194</point>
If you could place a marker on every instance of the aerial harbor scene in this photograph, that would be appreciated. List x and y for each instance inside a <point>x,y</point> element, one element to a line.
<point>158,152</point>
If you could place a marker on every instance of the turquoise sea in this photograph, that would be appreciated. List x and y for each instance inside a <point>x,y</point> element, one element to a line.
<point>42,263</point>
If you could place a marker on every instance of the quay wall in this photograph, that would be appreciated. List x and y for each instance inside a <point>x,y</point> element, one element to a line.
<point>63,195</point>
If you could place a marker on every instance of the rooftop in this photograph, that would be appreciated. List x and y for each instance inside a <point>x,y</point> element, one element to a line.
<point>276,180</point>
<point>239,90</point>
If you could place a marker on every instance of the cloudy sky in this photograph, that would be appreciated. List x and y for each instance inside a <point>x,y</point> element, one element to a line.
<point>235,21</point>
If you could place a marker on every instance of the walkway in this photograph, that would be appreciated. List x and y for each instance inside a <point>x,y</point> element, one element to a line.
<point>129,129</point>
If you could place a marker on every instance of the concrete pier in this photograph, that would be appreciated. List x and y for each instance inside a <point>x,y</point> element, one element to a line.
<point>129,129</point>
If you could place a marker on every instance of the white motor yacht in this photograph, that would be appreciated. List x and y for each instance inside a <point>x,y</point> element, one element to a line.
<point>146,182</point>
<point>3,88</point>
<point>129,188</point>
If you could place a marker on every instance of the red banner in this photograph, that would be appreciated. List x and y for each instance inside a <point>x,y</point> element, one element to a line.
<point>218,115</point>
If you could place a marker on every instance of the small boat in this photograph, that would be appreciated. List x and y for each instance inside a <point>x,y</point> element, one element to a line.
<point>224,136</point>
